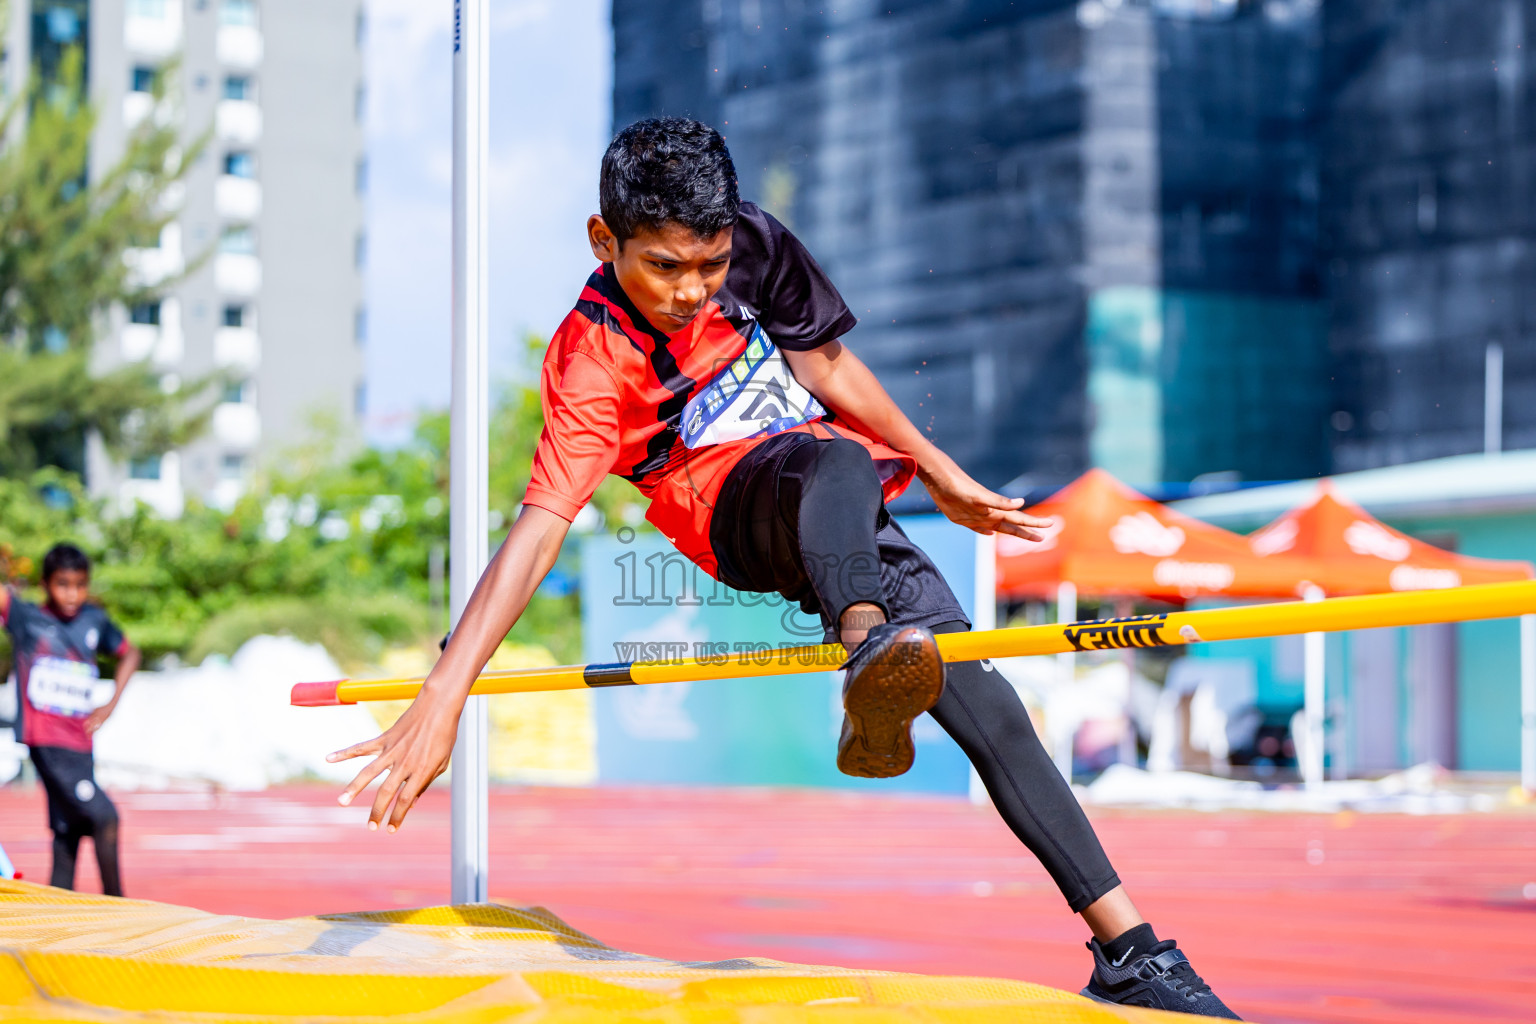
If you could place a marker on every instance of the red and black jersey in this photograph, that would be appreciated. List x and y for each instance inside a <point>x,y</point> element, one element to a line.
<point>674,413</point>
<point>56,670</point>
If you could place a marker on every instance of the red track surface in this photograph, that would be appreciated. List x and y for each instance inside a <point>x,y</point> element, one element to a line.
<point>1344,918</point>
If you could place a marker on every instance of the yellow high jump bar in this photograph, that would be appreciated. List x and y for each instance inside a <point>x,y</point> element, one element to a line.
<point>1415,608</point>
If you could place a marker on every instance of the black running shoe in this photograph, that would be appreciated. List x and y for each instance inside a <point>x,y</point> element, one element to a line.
<point>1160,978</point>
<point>893,676</point>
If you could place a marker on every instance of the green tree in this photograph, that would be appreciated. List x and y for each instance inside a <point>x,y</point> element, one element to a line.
<point>332,550</point>
<point>64,239</point>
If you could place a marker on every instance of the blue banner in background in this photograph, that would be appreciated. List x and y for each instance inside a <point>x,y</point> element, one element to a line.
<point>774,731</point>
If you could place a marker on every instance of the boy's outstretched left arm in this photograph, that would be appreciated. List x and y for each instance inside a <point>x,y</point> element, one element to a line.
<point>415,750</point>
<point>841,381</point>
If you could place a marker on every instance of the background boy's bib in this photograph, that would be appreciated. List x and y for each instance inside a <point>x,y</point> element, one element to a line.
<point>63,687</point>
<point>753,396</point>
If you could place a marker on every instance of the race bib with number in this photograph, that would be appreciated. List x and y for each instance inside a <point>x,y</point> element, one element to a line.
<point>754,396</point>
<point>63,687</point>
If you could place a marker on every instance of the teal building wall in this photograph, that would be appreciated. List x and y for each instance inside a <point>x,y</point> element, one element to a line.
<point>772,731</point>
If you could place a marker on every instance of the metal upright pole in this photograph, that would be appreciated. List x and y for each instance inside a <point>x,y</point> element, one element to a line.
<point>1493,398</point>
<point>1315,698</point>
<point>469,464</point>
<point>1528,702</point>
<point>1066,666</point>
<point>984,616</point>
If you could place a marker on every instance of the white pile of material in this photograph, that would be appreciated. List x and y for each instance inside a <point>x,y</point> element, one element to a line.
<point>1418,790</point>
<point>229,724</point>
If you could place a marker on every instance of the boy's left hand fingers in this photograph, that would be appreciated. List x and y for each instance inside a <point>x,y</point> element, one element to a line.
<point>1018,517</point>
<point>994,500</point>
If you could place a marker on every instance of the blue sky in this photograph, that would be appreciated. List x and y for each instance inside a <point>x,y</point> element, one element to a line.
<point>551,65</point>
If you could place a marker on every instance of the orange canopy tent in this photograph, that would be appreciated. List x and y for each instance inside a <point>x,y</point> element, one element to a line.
<point>1352,552</point>
<point>1108,539</point>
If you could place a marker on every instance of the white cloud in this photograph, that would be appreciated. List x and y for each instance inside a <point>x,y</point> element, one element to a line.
<point>410,64</point>
<point>507,16</point>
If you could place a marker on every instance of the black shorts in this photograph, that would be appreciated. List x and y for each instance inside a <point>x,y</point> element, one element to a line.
<point>756,537</point>
<point>76,804</point>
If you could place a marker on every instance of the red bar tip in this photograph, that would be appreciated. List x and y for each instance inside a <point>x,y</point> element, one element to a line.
<point>317,695</point>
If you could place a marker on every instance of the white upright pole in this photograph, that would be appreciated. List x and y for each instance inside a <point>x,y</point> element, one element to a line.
<point>1493,398</point>
<point>984,616</point>
<point>1066,611</point>
<point>469,464</point>
<point>1528,702</point>
<point>1315,665</point>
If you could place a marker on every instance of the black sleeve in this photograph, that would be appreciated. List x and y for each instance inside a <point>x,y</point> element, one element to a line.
<point>112,638</point>
<point>774,276</point>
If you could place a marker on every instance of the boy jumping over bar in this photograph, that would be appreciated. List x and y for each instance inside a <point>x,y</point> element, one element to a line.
<point>702,363</point>
<point>57,646</point>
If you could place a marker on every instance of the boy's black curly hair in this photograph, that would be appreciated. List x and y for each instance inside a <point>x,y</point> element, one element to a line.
<point>62,557</point>
<point>668,169</point>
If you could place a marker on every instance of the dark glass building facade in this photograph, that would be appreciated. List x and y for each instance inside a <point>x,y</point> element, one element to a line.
<point>1428,147</point>
<point>1170,237</point>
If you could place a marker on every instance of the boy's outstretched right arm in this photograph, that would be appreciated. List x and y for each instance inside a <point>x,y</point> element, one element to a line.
<point>415,750</point>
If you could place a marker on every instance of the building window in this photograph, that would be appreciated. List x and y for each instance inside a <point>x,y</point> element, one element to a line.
<point>234,316</point>
<point>239,87</point>
<point>238,12</point>
<point>62,24</point>
<point>239,165</point>
<point>239,240</point>
<point>151,10</point>
<point>232,467</point>
<point>360,181</point>
<point>235,391</point>
<point>360,326</point>
<point>360,399</point>
<point>146,468</point>
<point>143,79</point>
<point>361,28</point>
<point>360,104</point>
<point>145,313</point>
<point>360,250</point>
<point>57,26</point>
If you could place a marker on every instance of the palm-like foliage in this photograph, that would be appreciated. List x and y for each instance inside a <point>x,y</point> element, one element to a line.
<point>64,240</point>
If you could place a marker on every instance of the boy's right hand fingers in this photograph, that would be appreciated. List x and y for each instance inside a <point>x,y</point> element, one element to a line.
<point>409,791</point>
<point>362,780</point>
<point>386,796</point>
<point>372,746</point>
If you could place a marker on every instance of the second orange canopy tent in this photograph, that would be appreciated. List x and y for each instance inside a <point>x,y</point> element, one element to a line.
<point>1109,540</point>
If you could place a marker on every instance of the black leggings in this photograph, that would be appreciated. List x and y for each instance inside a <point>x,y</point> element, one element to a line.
<point>78,808</point>
<point>805,517</point>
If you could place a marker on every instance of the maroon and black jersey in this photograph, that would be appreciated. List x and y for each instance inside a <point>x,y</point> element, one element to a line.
<point>674,413</point>
<point>56,670</point>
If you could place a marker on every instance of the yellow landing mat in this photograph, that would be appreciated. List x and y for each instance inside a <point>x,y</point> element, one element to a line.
<point>75,957</point>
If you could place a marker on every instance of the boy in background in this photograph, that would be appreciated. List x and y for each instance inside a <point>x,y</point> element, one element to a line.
<point>57,647</point>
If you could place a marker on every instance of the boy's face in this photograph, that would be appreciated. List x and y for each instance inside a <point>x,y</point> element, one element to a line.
<point>67,590</point>
<point>669,273</point>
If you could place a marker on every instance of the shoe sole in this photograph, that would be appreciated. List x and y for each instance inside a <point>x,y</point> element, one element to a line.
<point>881,703</point>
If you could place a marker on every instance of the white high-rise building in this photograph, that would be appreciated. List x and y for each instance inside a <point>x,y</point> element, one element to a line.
<point>271,217</point>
